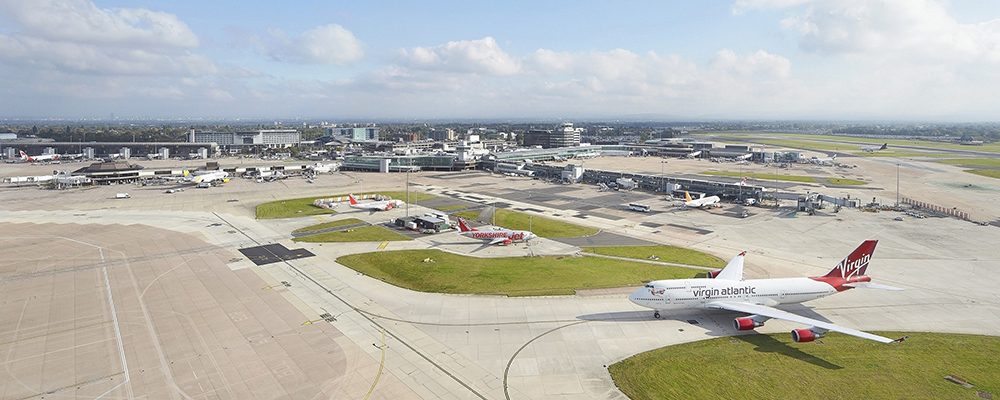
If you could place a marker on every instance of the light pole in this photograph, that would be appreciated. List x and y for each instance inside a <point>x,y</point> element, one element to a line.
<point>897,184</point>
<point>410,162</point>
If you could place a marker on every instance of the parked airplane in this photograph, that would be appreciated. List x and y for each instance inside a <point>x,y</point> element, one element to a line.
<point>726,290</point>
<point>209,177</point>
<point>693,154</point>
<point>501,236</point>
<point>40,158</point>
<point>699,203</point>
<point>383,205</point>
<point>824,161</point>
<point>872,149</point>
<point>321,168</point>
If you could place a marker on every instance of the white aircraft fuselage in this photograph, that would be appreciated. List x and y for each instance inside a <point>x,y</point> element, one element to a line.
<point>697,293</point>
<point>500,235</point>
<point>726,289</point>
<point>702,202</point>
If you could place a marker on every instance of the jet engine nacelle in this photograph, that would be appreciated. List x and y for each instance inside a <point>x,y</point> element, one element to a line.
<point>714,273</point>
<point>805,335</point>
<point>746,323</point>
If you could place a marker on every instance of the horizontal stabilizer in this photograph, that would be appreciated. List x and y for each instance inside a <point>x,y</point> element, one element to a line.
<point>871,285</point>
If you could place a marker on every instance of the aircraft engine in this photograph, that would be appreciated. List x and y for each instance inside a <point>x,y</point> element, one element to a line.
<point>746,323</point>
<point>805,335</point>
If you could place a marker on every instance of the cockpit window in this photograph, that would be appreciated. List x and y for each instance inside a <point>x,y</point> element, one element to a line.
<point>649,286</point>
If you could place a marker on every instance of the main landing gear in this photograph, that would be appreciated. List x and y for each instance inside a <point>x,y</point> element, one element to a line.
<point>656,314</point>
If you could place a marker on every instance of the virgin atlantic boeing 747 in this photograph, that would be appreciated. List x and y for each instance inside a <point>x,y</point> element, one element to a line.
<point>726,290</point>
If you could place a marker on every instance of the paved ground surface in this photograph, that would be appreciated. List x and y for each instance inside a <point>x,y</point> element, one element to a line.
<point>192,318</point>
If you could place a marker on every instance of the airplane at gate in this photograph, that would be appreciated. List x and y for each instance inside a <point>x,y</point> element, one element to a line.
<point>726,290</point>
<point>497,236</point>
<point>384,205</point>
<point>699,203</point>
<point>209,177</point>
<point>44,157</point>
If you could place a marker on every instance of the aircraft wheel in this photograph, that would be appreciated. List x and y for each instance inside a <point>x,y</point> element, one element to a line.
<point>656,314</point>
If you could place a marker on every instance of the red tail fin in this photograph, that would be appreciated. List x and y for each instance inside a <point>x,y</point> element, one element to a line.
<point>351,198</point>
<point>463,227</point>
<point>856,263</point>
<point>24,156</point>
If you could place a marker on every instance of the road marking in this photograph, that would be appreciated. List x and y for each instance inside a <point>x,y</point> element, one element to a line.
<point>382,245</point>
<point>118,332</point>
<point>381,365</point>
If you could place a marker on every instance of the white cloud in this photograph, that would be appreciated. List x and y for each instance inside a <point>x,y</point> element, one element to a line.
<point>551,82</point>
<point>75,36</point>
<point>326,44</point>
<point>922,29</point>
<point>481,56</point>
<point>742,6</point>
<point>81,21</point>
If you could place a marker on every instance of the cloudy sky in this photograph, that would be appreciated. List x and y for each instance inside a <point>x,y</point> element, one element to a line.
<point>738,59</point>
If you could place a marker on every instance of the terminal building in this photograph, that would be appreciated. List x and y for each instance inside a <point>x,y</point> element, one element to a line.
<point>93,150</point>
<point>268,138</point>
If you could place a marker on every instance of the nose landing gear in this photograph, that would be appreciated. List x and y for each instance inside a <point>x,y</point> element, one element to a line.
<point>656,314</point>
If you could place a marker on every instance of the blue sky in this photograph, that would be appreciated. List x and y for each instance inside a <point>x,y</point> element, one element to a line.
<point>738,59</point>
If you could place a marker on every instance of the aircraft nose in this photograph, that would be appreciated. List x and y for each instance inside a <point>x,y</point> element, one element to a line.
<point>634,296</point>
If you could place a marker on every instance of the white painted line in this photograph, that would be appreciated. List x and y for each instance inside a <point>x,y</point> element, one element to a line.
<point>118,333</point>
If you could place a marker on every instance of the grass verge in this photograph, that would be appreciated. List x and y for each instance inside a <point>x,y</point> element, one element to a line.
<point>328,225</point>
<point>989,173</point>
<point>290,208</point>
<point>362,234</point>
<point>303,206</point>
<point>774,367</point>
<point>665,253</point>
<point>972,162</point>
<point>829,142</point>
<point>513,276</point>
<point>541,226</point>
<point>450,207</point>
<point>845,182</point>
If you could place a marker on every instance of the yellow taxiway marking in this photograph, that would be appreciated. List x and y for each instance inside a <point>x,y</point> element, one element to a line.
<point>381,365</point>
<point>382,245</point>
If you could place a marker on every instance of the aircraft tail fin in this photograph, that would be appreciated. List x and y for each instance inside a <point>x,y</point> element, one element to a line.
<point>687,196</point>
<point>24,156</point>
<point>734,269</point>
<point>352,199</point>
<point>463,227</point>
<point>856,263</point>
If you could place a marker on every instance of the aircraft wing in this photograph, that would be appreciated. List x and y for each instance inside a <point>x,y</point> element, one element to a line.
<point>497,240</point>
<point>787,316</point>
